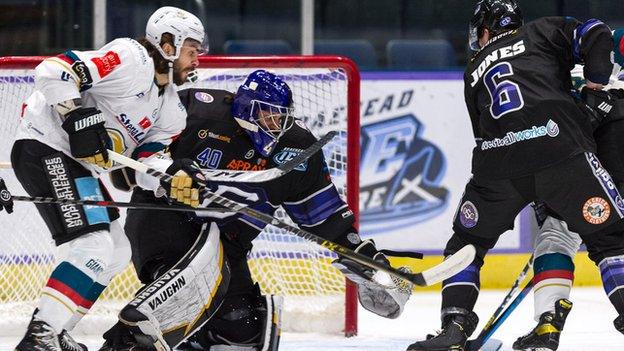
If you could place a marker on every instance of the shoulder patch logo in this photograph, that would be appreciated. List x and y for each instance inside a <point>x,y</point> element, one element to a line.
<point>250,154</point>
<point>204,97</point>
<point>596,210</point>
<point>107,63</point>
<point>468,214</point>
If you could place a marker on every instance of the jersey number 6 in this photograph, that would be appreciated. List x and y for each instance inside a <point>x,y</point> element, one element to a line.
<point>505,94</point>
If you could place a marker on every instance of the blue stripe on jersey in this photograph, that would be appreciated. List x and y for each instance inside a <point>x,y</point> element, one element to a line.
<point>579,34</point>
<point>469,276</point>
<point>612,273</point>
<point>315,208</point>
<point>89,189</point>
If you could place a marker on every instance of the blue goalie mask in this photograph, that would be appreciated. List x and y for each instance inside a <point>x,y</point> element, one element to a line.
<point>263,107</point>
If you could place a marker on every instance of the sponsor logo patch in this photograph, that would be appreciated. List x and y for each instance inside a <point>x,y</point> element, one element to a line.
<point>288,154</point>
<point>63,188</point>
<point>83,74</point>
<point>596,210</point>
<point>145,123</point>
<point>468,214</point>
<point>107,63</point>
<point>137,134</point>
<point>240,165</point>
<point>204,97</point>
<point>551,129</point>
<point>250,154</point>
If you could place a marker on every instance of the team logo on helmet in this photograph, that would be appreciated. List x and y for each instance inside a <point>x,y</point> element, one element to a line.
<point>596,210</point>
<point>468,214</point>
<point>505,21</point>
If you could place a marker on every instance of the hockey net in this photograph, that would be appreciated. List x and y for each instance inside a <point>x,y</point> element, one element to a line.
<point>326,96</point>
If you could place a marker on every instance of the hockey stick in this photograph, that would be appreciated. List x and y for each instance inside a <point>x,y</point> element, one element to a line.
<point>484,335</point>
<point>448,268</point>
<point>115,204</point>
<point>503,317</point>
<point>225,175</point>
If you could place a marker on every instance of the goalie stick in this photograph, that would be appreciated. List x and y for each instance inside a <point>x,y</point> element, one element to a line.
<point>225,175</point>
<point>446,269</point>
<point>494,321</point>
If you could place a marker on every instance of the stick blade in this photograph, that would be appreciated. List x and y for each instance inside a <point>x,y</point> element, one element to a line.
<point>450,266</point>
<point>492,345</point>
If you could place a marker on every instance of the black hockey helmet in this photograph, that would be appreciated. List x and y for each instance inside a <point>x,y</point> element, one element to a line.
<point>497,16</point>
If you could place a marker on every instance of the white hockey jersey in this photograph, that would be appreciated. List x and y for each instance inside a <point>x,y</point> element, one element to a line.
<point>118,79</point>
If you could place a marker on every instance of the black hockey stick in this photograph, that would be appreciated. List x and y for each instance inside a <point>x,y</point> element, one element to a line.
<point>115,204</point>
<point>486,332</point>
<point>448,268</point>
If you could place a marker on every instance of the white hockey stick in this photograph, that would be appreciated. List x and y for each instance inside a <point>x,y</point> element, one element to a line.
<point>446,269</point>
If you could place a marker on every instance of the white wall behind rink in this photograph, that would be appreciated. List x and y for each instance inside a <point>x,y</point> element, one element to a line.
<point>416,156</point>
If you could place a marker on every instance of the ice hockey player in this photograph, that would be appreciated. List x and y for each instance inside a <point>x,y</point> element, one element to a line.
<point>533,143</point>
<point>555,244</point>
<point>121,98</point>
<point>253,129</point>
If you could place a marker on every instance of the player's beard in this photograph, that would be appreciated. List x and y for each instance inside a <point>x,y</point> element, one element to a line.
<point>179,74</point>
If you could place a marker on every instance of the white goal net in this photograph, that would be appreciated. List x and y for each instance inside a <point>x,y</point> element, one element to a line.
<point>282,263</point>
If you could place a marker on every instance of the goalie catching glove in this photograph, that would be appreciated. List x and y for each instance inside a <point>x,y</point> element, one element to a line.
<point>378,292</point>
<point>6,202</point>
<point>88,139</point>
<point>186,181</point>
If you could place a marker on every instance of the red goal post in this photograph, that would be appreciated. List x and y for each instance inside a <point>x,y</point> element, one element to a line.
<point>322,77</point>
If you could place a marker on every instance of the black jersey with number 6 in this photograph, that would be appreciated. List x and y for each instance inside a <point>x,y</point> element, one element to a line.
<point>517,91</point>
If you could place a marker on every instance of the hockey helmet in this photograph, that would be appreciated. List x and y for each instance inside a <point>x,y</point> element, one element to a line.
<point>497,16</point>
<point>180,24</point>
<point>263,108</point>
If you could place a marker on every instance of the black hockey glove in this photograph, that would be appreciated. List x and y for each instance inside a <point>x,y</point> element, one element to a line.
<point>600,101</point>
<point>88,139</point>
<point>186,182</point>
<point>6,202</point>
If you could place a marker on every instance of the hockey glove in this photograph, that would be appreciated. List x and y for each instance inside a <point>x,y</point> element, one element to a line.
<point>186,182</point>
<point>88,139</point>
<point>6,201</point>
<point>600,101</point>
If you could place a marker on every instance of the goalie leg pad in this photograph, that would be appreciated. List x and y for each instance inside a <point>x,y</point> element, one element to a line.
<point>184,298</point>
<point>378,292</point>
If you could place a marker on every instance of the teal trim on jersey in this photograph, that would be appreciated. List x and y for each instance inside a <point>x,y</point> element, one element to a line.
<point>89,189</point>
<point>553,261</point>
<point>618,41</point>
<point>147,149</point>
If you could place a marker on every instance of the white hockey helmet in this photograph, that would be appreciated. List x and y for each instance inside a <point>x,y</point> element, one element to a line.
<point>180,24</point>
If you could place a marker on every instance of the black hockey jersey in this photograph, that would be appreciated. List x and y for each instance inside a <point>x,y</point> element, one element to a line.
<point>214,140</point>
<point>517,91</point>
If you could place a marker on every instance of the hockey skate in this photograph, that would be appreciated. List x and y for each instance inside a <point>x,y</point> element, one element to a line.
<point>618,323</point>
<point>378,292</point>
<point>454,334</point>
<point>69,344</point>
<point>40,336</point>
<point>545,336</point>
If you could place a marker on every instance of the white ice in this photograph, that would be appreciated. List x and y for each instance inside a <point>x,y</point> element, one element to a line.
<point>589,326</point>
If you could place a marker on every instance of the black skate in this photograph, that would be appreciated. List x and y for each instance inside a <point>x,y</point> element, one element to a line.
<point>40,336</point>
<point>455,332</point>
<point>378,292</point>
<point>545,336</point>
<point>619,323</point>
<point>69,344</point>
